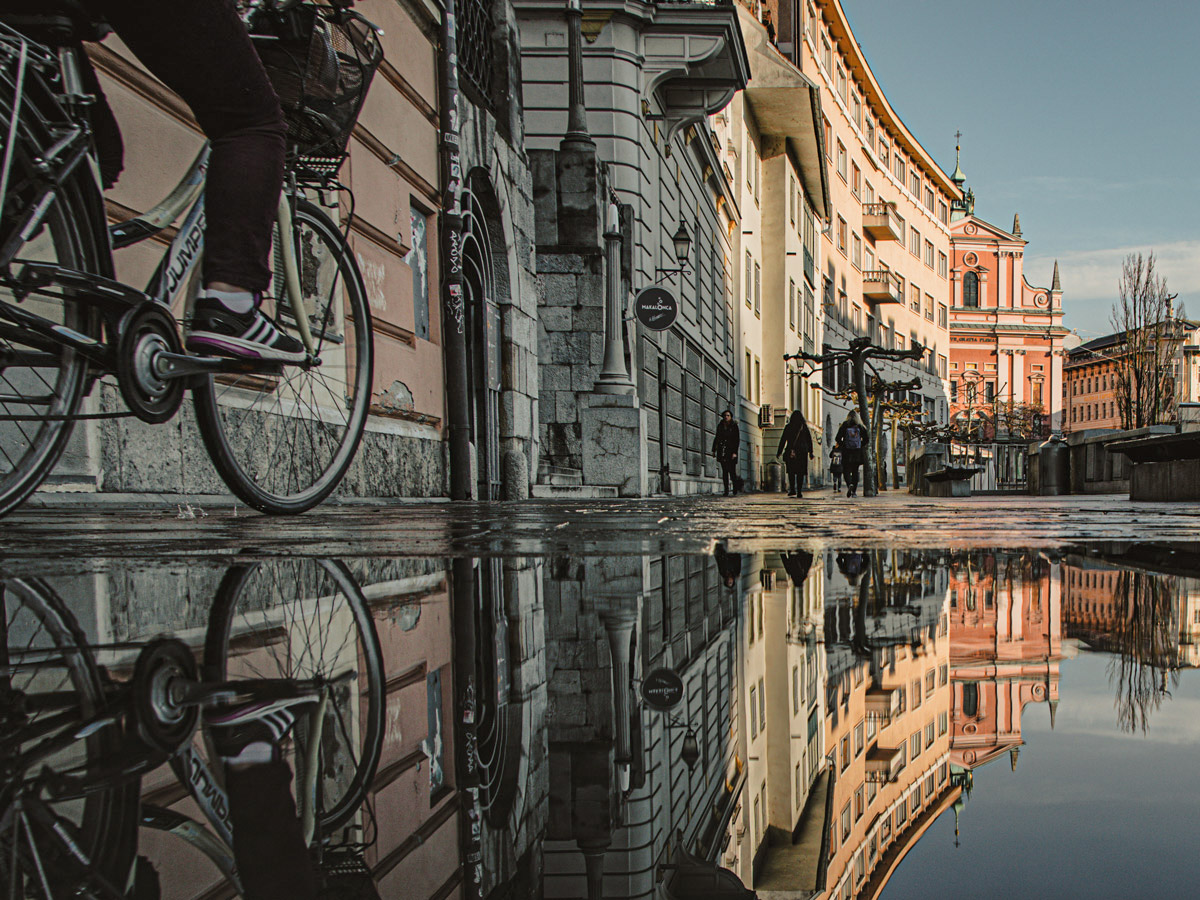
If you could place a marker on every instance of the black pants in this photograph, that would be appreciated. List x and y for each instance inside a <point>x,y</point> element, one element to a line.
<point>850,470</point>
<point>268,843</point>
<point>200,50</point>
<point>837,479</point>
<point>795,483</point>
<point>729,474</point>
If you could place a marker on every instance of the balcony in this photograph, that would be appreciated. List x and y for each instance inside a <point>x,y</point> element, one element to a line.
<point>881,222</point>
<point>884,763</point>
<point>881,286</point>
<point>883,702</point>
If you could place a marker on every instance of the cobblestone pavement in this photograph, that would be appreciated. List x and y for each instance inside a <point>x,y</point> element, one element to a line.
<point>678,525</point>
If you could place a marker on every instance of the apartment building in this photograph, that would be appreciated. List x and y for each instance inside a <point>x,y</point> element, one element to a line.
<point>885,253</point>
<point>771,135</point>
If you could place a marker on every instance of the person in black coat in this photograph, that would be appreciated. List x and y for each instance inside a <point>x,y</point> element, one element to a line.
<point>796,448</point>
<point>852,441</point>
<point>726,444</point>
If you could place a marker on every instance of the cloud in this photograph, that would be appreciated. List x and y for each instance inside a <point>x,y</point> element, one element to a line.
<point>1089,279</point>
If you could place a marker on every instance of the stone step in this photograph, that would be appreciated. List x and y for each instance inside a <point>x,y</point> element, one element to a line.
<point>559,476</point>
<point>573,492</point>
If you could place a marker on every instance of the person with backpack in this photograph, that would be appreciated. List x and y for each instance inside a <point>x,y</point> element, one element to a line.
<point>796,447</point>
<point>852,439</point>
<point>835,467</point>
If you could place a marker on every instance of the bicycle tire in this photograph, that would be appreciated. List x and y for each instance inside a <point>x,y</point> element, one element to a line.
<point>29,450</point>
<point>251,427</point>
<point>44,650</point>
<point>269,614</point>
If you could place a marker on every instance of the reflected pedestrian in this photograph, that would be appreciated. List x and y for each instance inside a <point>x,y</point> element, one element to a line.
<point>729,565</point>
<point>725,447</point>
<point>796,448</point>
<point>852,439</point>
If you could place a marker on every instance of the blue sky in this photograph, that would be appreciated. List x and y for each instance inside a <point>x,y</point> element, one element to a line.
<point>1081,116</point>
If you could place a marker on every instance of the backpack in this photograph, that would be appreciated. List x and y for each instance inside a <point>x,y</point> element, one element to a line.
<point>853,438</point>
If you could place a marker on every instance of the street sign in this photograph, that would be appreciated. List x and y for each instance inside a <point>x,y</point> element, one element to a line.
<point>656,308</point>
<point>662,689</point>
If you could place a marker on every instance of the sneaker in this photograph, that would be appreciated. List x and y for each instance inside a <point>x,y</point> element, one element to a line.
<point>248,335</point>
<point>234,727</point>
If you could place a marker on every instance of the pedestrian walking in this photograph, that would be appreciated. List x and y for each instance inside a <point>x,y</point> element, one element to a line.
<point>796,448</point>
<point>725,446</point>
<point>835,468</point>
<point>852,439</point>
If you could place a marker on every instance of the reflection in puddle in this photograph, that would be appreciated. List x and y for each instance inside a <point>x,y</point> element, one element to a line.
<point>832,721</point>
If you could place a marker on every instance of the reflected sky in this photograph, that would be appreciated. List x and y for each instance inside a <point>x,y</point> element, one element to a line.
<point>829,718</point>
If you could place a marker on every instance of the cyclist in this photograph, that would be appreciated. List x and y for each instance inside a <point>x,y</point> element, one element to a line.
<point>200,49</point>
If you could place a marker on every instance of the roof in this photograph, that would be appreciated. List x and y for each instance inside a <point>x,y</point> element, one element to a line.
<point>1117,338</point>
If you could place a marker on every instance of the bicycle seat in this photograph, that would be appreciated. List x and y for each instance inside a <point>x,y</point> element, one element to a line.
<point>53,22</point>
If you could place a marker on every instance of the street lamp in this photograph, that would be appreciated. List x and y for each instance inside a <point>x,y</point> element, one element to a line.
<point>681,241</point>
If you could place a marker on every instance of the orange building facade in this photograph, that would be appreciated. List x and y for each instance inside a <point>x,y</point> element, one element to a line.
<point>1006,335</point>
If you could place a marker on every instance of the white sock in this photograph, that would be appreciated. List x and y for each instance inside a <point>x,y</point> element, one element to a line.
<point>252,754</point>
<point>234,301</point>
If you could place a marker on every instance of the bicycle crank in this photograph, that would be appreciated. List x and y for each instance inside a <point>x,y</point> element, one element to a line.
<point>147,331</point>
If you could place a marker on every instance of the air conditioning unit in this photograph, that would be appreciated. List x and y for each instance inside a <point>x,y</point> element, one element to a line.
<point>766,416</point>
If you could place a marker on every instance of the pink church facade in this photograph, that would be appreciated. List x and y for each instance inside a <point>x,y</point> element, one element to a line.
<point>1006,335</point>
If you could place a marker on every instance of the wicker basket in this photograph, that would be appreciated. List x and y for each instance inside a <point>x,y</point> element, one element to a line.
<point>321,61</point>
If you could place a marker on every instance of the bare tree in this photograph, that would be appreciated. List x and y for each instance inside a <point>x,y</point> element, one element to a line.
<point>1142,317</point>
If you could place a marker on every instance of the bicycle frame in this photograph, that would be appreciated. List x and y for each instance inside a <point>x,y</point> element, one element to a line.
<point>173,271</point>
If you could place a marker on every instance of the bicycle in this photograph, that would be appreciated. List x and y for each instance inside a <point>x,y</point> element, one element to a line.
<point>280,435</point>
<point>76,740</point>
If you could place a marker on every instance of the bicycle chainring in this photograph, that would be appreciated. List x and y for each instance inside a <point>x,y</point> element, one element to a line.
<point>146,331</point>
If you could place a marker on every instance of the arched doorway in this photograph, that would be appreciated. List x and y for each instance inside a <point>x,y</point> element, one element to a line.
<point>485,269</point>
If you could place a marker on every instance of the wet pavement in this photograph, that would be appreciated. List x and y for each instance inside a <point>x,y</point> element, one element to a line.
<point>894,697</point>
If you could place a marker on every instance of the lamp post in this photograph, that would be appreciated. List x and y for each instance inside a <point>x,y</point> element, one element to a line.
<point>681,243</point>
<point>613,378</point>
<point>577,137</point>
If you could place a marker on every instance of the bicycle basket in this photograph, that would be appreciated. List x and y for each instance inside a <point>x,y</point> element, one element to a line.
<point>321,63</point>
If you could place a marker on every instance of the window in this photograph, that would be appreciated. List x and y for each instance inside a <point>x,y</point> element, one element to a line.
<point>943,213</point>
<point>841,85</point>
<point>971,290</point>
<point>941,267</point>
<point>746,381</point>
<point>916,693</point>
<point>901,812</point>
<point>826,54</point>
<point>871,134</point>
<point>758,400</point>
<point>899,168</point>
<point>846,821</point>
<point>883,154</point>
<point>856,180</point>
<point>810,329</point>
<point>941,365</point>
<point>914,297</point>
<point>792,304</point>
<point>795,689</point>
<point>757,289</point>
<point>929,307</point>
<point>841,160</point>
<point>856,250</point>
<point>943,674</point>
<point>753,711</point>
<point>914,242</point>
<point>418,261</point>
<point>869,262</point>
<point>915,185</point>
<point>856,110</point>
<point>762,694</point>
<point>929,254</point>
<point>841,235</point>
<point>943,316</point>
<point>860,804</point>
<point>914,745</point>
<point>929,199</point>
<point>928,735</point>
<point>828,139</point>
<point>857,319</point>
<point>845,752</point>
<point>749,280</point>
<point>943,723</point>
<point>749,160</point>
<point>872,791</point>
<point>859,742</point>
<point>792,197</point>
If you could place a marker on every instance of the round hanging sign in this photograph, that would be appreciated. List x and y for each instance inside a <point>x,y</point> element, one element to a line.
<point>662,689</point>
<point>656,308</point>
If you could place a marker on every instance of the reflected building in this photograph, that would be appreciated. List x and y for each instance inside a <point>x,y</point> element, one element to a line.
<point>1006,638</point>
<point>633,791</point>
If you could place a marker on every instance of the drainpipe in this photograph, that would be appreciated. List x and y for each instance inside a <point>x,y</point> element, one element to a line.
<point>454,337</point>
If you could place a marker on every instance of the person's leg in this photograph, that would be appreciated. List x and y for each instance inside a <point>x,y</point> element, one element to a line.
<point>725,475</point>
<point>268,842</point>
<point>200,49</point>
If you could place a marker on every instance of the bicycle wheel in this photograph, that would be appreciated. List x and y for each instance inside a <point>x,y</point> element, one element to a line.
<point>42,383</point>
<point>283,442</point>
<point>45,656</point>
<point>307,619</point>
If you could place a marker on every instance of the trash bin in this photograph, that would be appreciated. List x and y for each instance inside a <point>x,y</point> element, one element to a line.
<point>1054,462</point>
<point>774,477</point>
